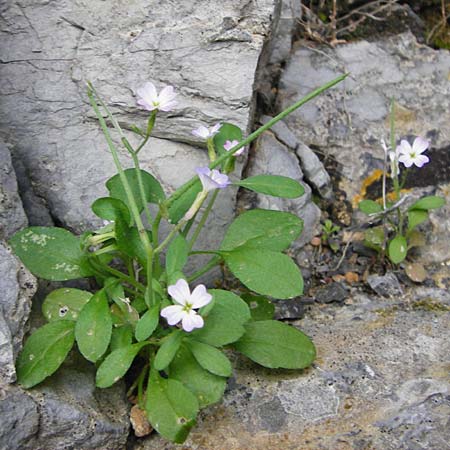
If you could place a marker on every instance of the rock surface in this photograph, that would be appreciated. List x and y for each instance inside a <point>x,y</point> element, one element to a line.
<point>18,287</point>
<point>380,381</point>
<point>12,215</point>
<point>50,50</point>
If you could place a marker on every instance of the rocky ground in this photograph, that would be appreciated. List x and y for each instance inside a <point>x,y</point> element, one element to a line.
<point>381,378</point>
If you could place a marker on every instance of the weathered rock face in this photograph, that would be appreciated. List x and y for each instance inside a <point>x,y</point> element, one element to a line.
<point>208,52</point>
<point>380,381</point>
<point>12,215</point>
<point>18,287</point>
<point>348,122</point>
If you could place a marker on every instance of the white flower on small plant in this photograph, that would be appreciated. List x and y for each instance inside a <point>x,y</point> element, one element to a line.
<point>231,144</point>
<point>409,155</point>
<point>206,133</point>
<point>187,303</point>
<point>212,179</point>
<point>148,97</point>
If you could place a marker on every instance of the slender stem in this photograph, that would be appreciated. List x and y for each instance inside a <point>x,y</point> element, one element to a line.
<point>150,125</point>
<point>169,237</point>
<point>140,181</point>
<point>180,191</point>
<point>208,266</point>
<point>203,219</point>
<point>107,249</point>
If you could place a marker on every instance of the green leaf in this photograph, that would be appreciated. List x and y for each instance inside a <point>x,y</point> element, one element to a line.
<point>129,242</point>
<point>369,207</point>
<point>50,253</point>
<point>374,238</point>
<point>177,255</point>
<point>224,323</point>
<point>168,349</point>
<point>210,358</point>
<point>265,272</point>
<point>109,208</point>
<point>182,204</point>
<point>261,308</point>
<point>64,303</point>
<point>416,217</point>
<point>171,408</point>
<point>426,203</point>
<point>275,185</point>
<point>227,132</point>
<point>44,351</point>
<point>147,324</point>
<point>397,249</point>
<point>263,229</point>
<point>276,345</point>
<point>116,365</point>
<point>153,191</point>
<point>207,387</point>
<point>93,328</point>
<point>121,337</point>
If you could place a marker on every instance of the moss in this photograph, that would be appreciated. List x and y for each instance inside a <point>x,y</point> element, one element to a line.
<point>430,304</point>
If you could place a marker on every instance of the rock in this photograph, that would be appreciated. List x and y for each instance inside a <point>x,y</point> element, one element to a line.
<point>66,411</point>
<point>18,287</point>
<point>380,381</point>
<point>139,422</point>
<point>208,51</point>
<point>313,169</point>
<point>348,121</point>
<point>12,215</point>
<point>292,309</point>
<point>331,293</point>
<point>385,285</point>
<point>274,158</point>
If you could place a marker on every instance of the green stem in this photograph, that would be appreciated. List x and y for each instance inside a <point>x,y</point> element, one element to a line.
<point>203,219</point>
<point>150,125</point>
<point>169,237</point>
<point>208,266</point>
<point>180,191</point>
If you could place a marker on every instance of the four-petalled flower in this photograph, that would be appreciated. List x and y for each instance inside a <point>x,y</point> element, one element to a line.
<point>206,133</point>
<point>148,97</point>
<point>212,179</point>
<point>187,303</point>
<point>409,155</point>
<point>231,144</point>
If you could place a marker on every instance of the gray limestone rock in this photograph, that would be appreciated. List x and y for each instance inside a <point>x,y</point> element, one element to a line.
<point>12,215</point>
<point>209,52</point>
<point>274,158</point>
<point>385,285</point>
<point>18,287</point>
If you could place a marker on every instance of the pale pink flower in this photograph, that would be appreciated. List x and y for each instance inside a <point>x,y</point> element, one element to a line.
<point>206,133</point>
<point>148,97</point>
<point>187,302</point>
<point>212,179</point>
<point>231,144</point>
<point>409,155</point>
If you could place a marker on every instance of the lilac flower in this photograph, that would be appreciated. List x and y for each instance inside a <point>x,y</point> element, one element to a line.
<point>212,179</point>
<point>413,155</point>
<point>150,100</point>
<point>187,302</point>
<point>205,133</point>
<point>231,144</point>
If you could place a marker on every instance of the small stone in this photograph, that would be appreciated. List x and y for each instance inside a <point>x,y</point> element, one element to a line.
<point>290,309</point>
<point>385,285</point>
<point>139,422</point>
<point>416,272</point>
<point>351,277</point>
<point>316,241</point>
<point>331,293</point>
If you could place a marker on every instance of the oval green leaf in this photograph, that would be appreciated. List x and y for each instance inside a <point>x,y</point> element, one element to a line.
<point>171,408</point>
<point>210,358</point>
<point>369,207</point>
<point>276,345</point>
<point>261,308</point>
<point>116,365</point>
<point>181,205</point>
<point>110,208</point>
<point>50,253</point>
<point>147,324</point>
<point>121,337</point>
<point>416,217</point>
<point>207,387</point>
<point>177,255</point>
<point>263,228</point>
<point>427,203</point>
<point>64,303</point>
<point>275,185</point>
<point>397,249</point>
<point>94,327</point>
<point>265,272</point>
<point>224,323</point>
<point>44,351</point>
<point>168,349</point>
